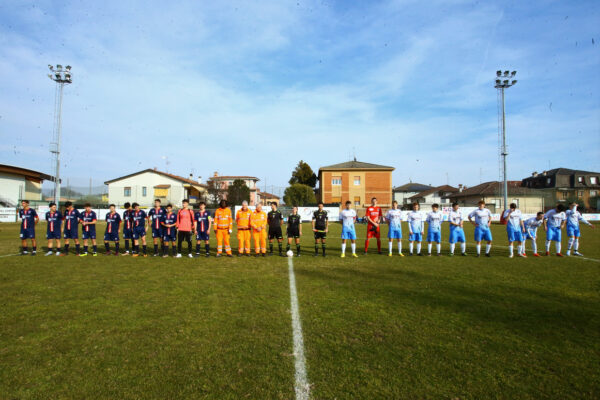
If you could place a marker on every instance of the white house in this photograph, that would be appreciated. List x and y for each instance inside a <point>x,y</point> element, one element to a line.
<point>434,195</point>
<point>403,193</point>
<point>144,186</point>
<point>18,184</point>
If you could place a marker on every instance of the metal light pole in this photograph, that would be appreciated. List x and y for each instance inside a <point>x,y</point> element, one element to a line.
<point>61,77</point>
<point>504,81</point>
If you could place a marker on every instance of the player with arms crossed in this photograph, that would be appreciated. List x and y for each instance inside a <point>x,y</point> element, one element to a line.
<point>294,230</point>
<point>374,216</point>
<point>434,229</point>
<point>71,227</point>
<point>514,230</point>
<point>169,224</point>
<point>54,221</point>
<point>202,225</point>
<point>554,222</point>
<point>111,233</point>
<point>483,220</point>
<point>348,218</point>
<point>127,227</point>
<point>155,216</point>
<point>28,218</point>
<point>394,220</point>
<point>415,229</point>
<point>531,225</point>
<point>457,232</point>
<point>88,221</point>
<point>275,221</point>
<point>320,227</point>
<point>573,219</point>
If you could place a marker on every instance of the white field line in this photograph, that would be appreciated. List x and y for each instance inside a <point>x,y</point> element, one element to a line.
<point>9,255</point>
<point>301,386</point>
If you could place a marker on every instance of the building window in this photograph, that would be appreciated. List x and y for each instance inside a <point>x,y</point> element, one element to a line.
<point>593,193</point>
<point>357,201</point>
<point>516,201</point>
<point>580,194</point>
<point>336,199</point>
<point>548,181</point>
<point>357,181</point>
<point>144,191</point>
<point>580,179</point>
<point>594,180</point>
<point>127,191</point>
<point>336,181</point>
<point>565,195</point>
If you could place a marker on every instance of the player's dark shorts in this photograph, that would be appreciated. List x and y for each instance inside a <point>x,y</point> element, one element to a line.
<point>139,232</point>
<point>91,234</point>
<point>170,234</point>
<point>53,234</point>
<point>27,234</point>
<point>320,235</point>
<point>127,234</point>
<point>293,232</point>
<point>111,236</point>
<point>202,235</point>
<point>157,233</point>
<point>71,234</point>
<point>275,233</point>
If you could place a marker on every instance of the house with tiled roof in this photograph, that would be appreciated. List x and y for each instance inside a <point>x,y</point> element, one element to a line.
<point>403,193</point>
<point>356,181</point>
<point>17,183</point>
<point>222,182</point>
<point>528,200</point>
<point>144,186</point>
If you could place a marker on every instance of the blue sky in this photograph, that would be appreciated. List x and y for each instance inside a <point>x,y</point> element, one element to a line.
<point>253,87</point>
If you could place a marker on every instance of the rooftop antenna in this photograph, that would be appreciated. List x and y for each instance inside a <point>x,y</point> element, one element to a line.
<point>166,163</point>
<point>354,153</point>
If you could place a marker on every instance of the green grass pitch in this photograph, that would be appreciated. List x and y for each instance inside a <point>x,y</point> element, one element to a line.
<point>375,327</point>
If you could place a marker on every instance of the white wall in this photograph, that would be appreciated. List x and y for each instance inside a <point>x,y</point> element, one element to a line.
<point>148,179</point>
<point>12,188</point>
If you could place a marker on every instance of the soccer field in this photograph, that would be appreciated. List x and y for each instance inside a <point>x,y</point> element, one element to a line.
<point>375,327</point>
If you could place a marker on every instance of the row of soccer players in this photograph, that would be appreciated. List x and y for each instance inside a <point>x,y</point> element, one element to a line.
<point>167,227</point>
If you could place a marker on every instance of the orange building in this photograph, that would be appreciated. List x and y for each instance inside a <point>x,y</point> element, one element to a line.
<point>356,181</point>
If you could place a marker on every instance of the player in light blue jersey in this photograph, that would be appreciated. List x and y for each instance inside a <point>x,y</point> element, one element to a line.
<point>415,229</point>
<point>434,229</point>
<point>348,217</point>
<point>483,220</point>
<point>573,219</point>
<point>554,221</point>
<point>457,233</point>
<point>531,225</point>
<point>394,220</point>
<point>514,230</point>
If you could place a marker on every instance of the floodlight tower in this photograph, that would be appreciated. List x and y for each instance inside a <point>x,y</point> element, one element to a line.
<point>61,77</point>
<point>504,81</point>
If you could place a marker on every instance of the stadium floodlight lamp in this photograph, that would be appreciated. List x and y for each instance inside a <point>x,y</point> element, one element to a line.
<point>50,76</point>
<point>50,67</point>
<point>57,75</point>
<point>59,67</point>
<point>506,73</point>
<point>514,82</point>
<point>498,73</point>
<point>506,82</point>
<point>498,81</point>
<point>513,73</point>
<point>68,68</point>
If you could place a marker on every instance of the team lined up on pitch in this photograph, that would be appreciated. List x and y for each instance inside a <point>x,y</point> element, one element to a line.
<point>169,227</point>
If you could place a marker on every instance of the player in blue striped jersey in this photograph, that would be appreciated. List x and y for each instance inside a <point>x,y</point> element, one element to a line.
<point>53,221</point>
<point>111,234</point>
<point>28,218</point>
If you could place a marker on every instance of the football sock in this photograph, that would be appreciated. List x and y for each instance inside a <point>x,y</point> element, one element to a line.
<point>95,247</point>
<point>576,244</point>
<point>534,246</point>
<point>353,246</point>
<point>156,249</point>
<point>343,248</point>
<point>410,247</point>
<point>510,249</point>
<point>34,248</point>
<point>127,245</point>
<point>548,245</point>
<point>106,246</point>
<point>439,248</point>
<point>418,247</point>
<point>452,245</point>
<point>280,247</point>
<point>429,248</point>
<point>488,247</point>
<point>197,248</point>
<point>287,248</point>
<point>173,250</point>
<point>66,248</point>
<point>85,249</point>
<point>571,240</point>
<point>316,248</point>
<point>390,247</point>
<point>297,249</point>
<point>144,247</point>
<point>478,249</point>
<point>378,245</point>
<point>24,249</point>
<point>77,247</point>
<point>323,247</point>
<point>399,247</point>
<point>116,247</point>
<point>463,247</point>
<point>366,245</point>
<point>270,247</point>
<point>558,245</point>
<point>164,249</point>
<point>207,248</point>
